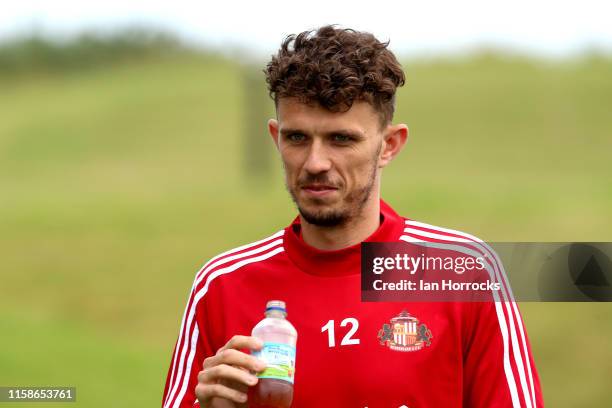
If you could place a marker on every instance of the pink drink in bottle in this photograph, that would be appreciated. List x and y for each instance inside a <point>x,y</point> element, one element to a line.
<point>275,386</point>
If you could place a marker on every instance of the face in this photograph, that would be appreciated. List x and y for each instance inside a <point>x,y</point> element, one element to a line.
<point>332,160</point>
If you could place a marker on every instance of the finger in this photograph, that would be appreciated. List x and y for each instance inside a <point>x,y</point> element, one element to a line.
<point>228,373</point>
<point>236,358</point>
<point>236,385</point>
<point>205,392</point>
<point>243,342</point>
<point>242,360</point>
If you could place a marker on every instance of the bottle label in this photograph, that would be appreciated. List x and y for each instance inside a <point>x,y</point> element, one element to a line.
<point>280,359</point>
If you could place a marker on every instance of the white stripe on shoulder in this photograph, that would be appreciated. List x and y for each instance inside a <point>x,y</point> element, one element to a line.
<point>211,264</point>
<point>241,248</point>
<point>510,305</point>
<point>461,247</point>
<point>202,274</point>
<point>465,238</point>
<point>184,374</point>
<point>447,230</point>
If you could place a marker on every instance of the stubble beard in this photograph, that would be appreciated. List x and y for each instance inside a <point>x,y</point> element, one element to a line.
<point>351,205</point>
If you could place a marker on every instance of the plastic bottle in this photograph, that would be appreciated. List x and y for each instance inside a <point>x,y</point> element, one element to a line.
<point>275,386</point>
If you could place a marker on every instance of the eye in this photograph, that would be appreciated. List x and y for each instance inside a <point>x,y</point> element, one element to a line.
<point>296,137</point>
<point>341,138</point>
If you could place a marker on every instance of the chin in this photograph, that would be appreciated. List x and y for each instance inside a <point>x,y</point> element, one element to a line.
<point>329,218</point>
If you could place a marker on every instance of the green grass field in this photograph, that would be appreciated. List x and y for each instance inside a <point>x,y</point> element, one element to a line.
<point>117,183</point>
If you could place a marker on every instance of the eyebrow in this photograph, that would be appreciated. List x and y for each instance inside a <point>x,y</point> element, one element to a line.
<point>346,132</point>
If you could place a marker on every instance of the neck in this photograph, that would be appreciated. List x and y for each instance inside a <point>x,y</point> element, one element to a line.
<point>353,232</point>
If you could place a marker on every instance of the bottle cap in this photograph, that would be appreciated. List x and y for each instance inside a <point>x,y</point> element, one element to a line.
<point>276,305</point>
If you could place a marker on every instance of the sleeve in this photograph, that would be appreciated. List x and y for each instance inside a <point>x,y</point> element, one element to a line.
<point>192,347</point>
<point>499,369</point>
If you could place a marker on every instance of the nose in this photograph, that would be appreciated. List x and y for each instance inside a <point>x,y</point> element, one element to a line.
<point>318,160</point>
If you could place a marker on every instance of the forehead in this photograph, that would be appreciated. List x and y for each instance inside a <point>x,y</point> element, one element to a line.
<point>293,114</point>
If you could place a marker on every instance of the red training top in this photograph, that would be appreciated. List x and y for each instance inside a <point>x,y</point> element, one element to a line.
<point>472,355</point>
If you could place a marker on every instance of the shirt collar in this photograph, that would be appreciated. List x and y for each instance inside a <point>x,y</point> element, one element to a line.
<point>345,261</point>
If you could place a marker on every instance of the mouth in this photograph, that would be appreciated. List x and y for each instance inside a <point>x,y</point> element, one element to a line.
<point>318,190</point>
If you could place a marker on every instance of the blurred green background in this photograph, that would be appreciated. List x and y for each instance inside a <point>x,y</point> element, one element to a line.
<point>123,168</point>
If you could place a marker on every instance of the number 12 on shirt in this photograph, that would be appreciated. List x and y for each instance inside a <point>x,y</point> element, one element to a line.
<point>346,340</point>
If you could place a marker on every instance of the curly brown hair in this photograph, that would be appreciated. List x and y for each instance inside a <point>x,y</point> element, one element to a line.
<point>334,67</point>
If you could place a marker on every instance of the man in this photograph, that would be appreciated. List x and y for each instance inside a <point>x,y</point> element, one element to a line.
<point>334,91</point>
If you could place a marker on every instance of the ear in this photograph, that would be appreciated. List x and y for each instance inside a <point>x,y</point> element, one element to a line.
<point>394,139</point>
<point>273,130</point>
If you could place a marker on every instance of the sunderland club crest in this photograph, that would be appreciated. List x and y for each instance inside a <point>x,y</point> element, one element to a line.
<point>404,333</point>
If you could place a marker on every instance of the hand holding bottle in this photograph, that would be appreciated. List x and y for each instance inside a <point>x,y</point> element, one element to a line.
<point>226,376</point>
